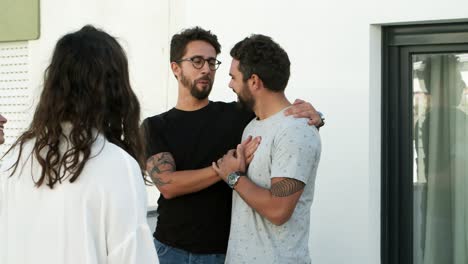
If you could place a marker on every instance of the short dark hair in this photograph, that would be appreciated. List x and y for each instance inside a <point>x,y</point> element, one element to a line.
<point>179,41</point>
<point>260,55</point>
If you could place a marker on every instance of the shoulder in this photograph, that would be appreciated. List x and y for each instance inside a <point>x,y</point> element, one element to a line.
<point>157,122</point>
<point>112,161</point>
<point>290,124</point>
<point>156,119</point>
<point>234,109</point>
<point>117,178</point>
<point>223,106</point>
<point>7,161</point>
<point>296,130</point>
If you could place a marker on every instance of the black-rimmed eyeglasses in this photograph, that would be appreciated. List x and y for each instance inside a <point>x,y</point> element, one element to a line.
<point>198,62</point>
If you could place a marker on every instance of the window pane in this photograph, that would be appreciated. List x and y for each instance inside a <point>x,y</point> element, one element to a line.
<point>440,176</point>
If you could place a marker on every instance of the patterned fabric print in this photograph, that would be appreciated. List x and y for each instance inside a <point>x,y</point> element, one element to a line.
<point>289,148</point>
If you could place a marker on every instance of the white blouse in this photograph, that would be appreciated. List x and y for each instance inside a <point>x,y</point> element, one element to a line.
<point>100,218</point>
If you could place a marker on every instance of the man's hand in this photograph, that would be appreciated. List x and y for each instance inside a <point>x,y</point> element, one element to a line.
<point>301,108</point>
<point>233,161</point>
<point>250,146</point>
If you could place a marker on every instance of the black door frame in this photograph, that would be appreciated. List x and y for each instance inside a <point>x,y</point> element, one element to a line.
<point>399,44</point>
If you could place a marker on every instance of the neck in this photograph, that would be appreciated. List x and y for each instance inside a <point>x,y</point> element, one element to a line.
<point>269,104</point>
<point>186,102</point>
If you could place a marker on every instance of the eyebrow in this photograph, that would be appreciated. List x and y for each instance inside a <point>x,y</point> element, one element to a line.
<point>209,58</point>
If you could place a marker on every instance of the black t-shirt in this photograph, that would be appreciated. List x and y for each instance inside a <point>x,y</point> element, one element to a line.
<point>198,222</point>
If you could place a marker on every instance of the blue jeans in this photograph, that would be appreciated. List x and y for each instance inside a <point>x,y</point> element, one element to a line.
<point>172,255</point>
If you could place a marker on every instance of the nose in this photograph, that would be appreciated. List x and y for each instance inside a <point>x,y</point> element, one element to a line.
<point>206,68</point>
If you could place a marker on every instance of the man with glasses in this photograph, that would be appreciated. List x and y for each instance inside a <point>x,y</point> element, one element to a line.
<point>195,205</point>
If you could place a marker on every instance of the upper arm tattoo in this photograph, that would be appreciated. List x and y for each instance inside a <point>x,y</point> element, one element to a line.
<point>286,187</point>
<point>160,163</point>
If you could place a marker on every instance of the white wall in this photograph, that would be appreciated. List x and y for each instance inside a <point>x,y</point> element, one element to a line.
<point>335,49</point>
<point>142,27</point>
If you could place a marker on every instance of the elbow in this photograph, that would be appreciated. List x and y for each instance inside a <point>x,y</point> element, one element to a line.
<point>167,196</point>
<point>280,217</point>
<point>279,221</point>
<point>166,193</point>
<point>163,183</point>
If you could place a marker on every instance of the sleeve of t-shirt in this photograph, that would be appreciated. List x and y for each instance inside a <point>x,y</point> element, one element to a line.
<point>296,153</point>
<point>152,132</point>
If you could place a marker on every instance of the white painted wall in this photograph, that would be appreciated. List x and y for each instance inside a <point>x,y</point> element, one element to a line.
<point>141,27</point>
<point>335,50</point>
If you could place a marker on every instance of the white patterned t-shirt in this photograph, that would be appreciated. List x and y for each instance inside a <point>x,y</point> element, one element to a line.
<point>289,148</point>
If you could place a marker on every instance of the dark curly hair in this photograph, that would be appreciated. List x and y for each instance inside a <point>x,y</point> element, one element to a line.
<point>87,85</point>
<point>260,55</point>
<point>179,41</point>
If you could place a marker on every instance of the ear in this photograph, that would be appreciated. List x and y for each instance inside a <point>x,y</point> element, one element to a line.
<point>256,83</point>
<point>175,67</point>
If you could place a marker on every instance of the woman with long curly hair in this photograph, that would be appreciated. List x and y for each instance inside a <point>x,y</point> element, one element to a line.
<point>71,187</point>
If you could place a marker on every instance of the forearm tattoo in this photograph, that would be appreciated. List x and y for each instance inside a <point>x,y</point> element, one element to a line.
<point>286,187</point>
<point>160,163</point>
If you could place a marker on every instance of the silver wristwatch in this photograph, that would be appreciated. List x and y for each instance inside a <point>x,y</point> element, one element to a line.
<point>322,118</point>
<point>233,177</point>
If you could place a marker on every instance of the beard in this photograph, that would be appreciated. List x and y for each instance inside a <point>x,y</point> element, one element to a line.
<point>202,93</point>
<point>245,99</point>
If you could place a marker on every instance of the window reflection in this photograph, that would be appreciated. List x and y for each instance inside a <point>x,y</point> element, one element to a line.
<point>440,175</point>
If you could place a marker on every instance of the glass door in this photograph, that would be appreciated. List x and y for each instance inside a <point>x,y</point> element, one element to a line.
<point>440,158</point>
<point>425,144</point>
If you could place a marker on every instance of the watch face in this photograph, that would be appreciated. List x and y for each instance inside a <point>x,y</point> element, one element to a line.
<point>232,178</point>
